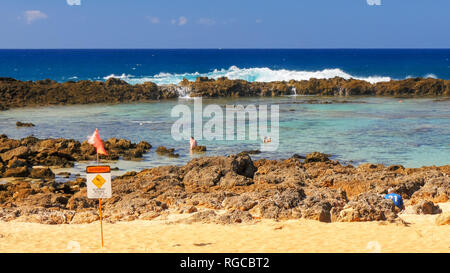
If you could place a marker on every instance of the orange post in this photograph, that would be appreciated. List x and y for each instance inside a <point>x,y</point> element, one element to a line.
<point>101,224</point>
<point>100,206</point>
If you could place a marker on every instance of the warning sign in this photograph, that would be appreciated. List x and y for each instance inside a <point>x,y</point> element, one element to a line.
<point>98,182</point>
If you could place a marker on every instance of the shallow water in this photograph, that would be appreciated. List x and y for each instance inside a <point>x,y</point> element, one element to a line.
<point>413,132</point>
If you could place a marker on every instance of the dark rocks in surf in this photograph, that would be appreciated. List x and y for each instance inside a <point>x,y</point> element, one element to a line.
<point>199,149</point>
<point>24,124</point>
<point>18,157</point>
<point>15,93</point>
<point>170,152</point>
<point>250,152</point>
<point>316,157</point>
<point>223,87</point>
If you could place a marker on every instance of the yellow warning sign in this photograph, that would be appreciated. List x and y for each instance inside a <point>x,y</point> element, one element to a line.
<point>98,181</point>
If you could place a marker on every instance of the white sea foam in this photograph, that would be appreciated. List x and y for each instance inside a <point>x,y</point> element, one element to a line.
<point>257,74</point>
<point>122,77</point>
<point>430,76</point>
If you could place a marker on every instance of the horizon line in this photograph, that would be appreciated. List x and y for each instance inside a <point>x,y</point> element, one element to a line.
<point>228,48</point>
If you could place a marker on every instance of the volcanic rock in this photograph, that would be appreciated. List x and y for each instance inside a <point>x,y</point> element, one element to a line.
<point>22,124</point>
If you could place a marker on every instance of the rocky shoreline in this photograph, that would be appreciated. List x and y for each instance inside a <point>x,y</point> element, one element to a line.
<point>15,93</point>
<point>223,189</point>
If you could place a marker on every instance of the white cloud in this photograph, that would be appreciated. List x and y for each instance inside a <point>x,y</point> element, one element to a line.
<point>206,21</point>
<point>180,21</point>
<point>33,15</point>
<point>153,20</point>
<point>373,2</point>
<point>73,2</point>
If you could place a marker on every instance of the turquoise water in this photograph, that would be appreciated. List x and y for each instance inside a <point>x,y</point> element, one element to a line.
<point>413,132</point>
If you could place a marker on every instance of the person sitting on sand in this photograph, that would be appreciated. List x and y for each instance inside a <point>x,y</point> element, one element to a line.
<point>396,198</point>
<point>193,143</point>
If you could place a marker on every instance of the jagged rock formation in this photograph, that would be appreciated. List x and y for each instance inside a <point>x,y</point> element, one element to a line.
<point>15,93</point>
<point>223,87</point>
<point>18,157</point>
<point>233,189</point>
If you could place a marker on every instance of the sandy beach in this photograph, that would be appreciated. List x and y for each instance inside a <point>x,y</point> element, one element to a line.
<point>422,235</point>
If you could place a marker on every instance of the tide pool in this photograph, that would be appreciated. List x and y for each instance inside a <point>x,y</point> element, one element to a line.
<point>411,132</point>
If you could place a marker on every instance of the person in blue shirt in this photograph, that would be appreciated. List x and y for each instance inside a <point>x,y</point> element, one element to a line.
<point>396,198</point>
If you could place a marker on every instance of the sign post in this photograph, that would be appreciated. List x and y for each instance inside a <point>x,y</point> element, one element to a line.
<point>98,182</point>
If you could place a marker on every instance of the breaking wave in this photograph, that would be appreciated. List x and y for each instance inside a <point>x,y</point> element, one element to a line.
<point>262,74</point>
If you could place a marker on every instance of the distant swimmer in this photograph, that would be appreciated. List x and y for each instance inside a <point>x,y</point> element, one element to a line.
<point>193,143</point>
<point>267,140</point>
<point>396,198</point>
<point>400,101</point>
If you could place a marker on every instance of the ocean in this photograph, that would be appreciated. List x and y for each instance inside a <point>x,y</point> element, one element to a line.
<point>411,132</point>
<point>164,66</point>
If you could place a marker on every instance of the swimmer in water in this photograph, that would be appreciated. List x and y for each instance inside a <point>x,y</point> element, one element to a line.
<point>267,139</point>
<point>193,143</point>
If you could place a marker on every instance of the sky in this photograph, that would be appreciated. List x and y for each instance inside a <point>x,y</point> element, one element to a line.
<point>224,24</point>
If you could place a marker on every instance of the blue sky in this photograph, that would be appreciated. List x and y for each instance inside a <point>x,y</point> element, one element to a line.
<point>224,24</point>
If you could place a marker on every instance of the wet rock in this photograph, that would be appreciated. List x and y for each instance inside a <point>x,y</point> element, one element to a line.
<point>128,174</point>
<point>18,152</point>
<point>199,149</point>
<point>243,165</point>
<point>22,124</point>
<point>17,93</point>
<point>161,150</point>
<point>394,168</point>
<point>32,151</point>
<point>316,157</point>
<point>17,172</point>
<point>64,174</point>
<point>27,93</point>
<point>44,173</point>
<point>297,156</point>
<point>17,162</point>
<point>250,152</point>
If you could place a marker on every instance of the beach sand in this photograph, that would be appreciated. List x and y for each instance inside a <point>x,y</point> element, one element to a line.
<point>422,235</point>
